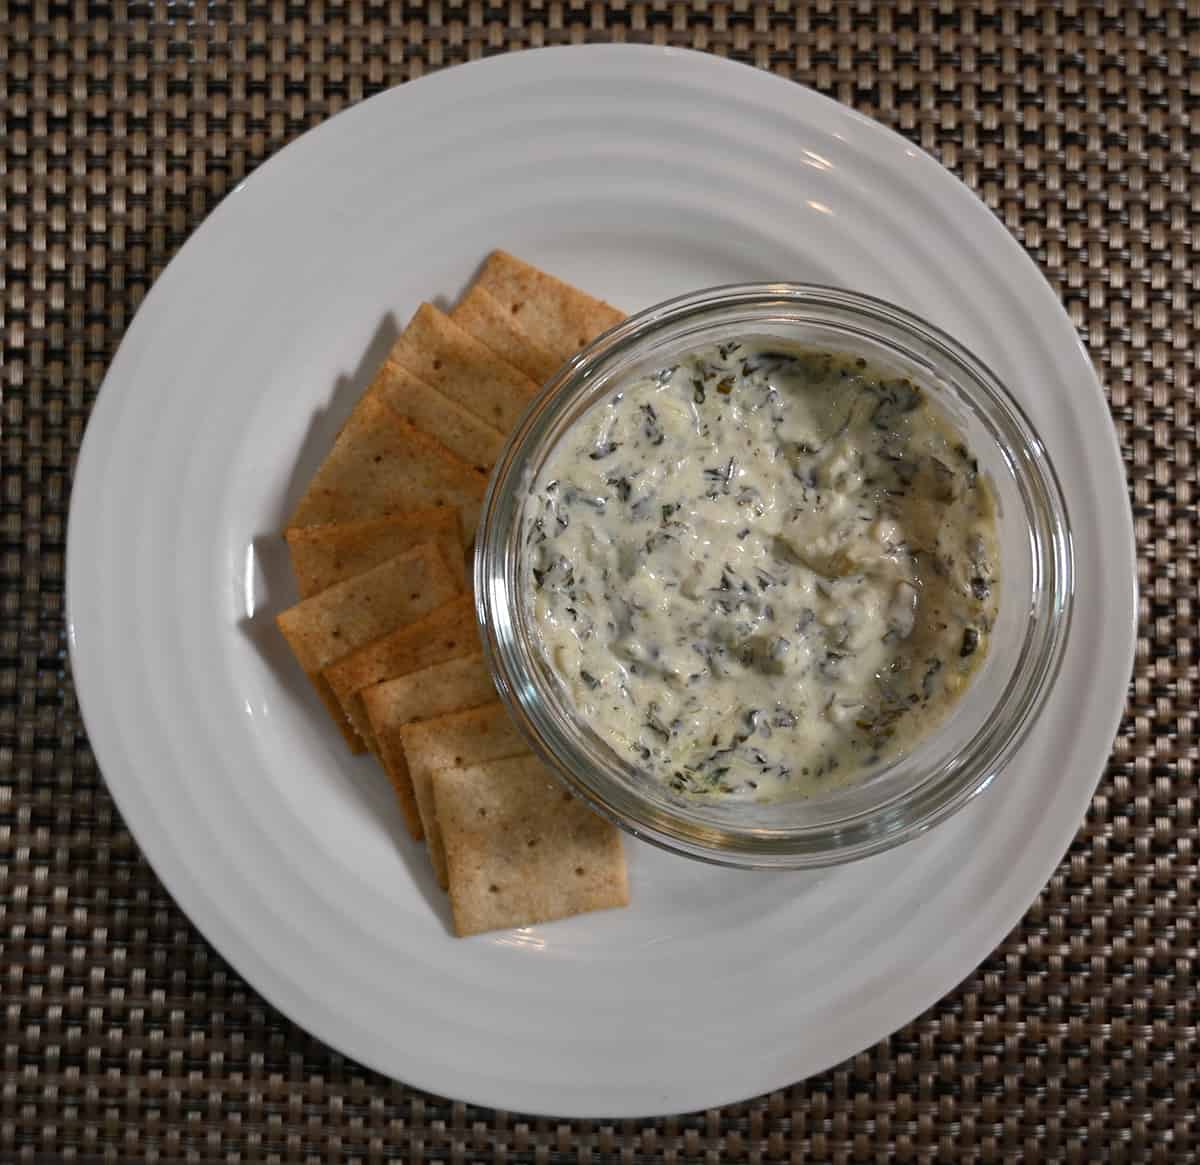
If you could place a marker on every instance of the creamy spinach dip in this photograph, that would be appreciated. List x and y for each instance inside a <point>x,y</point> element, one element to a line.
<point>761,571</point>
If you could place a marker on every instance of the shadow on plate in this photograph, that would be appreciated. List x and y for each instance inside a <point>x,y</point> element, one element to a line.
<point>360,777</point>
<point>326,423</point>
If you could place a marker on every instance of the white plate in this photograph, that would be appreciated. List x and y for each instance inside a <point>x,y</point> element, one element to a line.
<point>637,173</point>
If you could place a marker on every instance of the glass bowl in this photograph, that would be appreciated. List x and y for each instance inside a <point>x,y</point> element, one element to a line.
<point>945,769</point>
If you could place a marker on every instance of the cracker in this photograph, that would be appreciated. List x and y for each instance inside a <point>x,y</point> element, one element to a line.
<point>557,317</point>
<point>454,741</point>
<point>330,625</point>
<point>382,464</point>
<point>482,316</point>
<point>437,350</point>
<point>461,431</point>
<point>325,555</point>
<point>446,633</point>
<point>432,691</point>
<point>521,850</point>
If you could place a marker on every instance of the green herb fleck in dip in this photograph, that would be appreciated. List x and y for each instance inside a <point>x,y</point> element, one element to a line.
<point>762,571</point>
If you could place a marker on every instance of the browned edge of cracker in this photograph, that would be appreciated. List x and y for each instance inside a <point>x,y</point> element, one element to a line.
<point>552,312</point>
<point>382,464</point>
<point>455,740</point>
<point>335,551</point>
<point>445,633</point>
<point>353,741</point>
<point>469,476</point>
<point>481,315</point>
<point>455,560</point>
<point>447,357</point>
<point>327,497</point>
<point>449,686</point>
<point>462,486</point>
<point>324,628</point>
<point>464,433</point>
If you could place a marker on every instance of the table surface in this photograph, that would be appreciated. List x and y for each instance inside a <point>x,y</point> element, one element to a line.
<point>127,1038</point>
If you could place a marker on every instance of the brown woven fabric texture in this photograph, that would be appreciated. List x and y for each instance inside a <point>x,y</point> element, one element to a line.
<point>126,1038</point>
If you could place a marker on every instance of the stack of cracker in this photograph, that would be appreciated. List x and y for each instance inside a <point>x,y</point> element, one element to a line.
<point>385,628</point>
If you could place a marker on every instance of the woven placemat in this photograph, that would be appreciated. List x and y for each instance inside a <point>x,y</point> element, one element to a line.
<point>126,1038</point>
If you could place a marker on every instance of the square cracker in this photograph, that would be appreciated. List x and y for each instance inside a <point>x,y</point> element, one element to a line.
<point>446,357</point>
<point>432,691</point>
<point>322,629</point>
<point>461,431</point>
<point>447,633</point>
<point>521,850</point>
<point>453,742</point>
<point>557,317</point>
<point>382,464</point>
<point>482,316</point>
<point>324,555</point>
